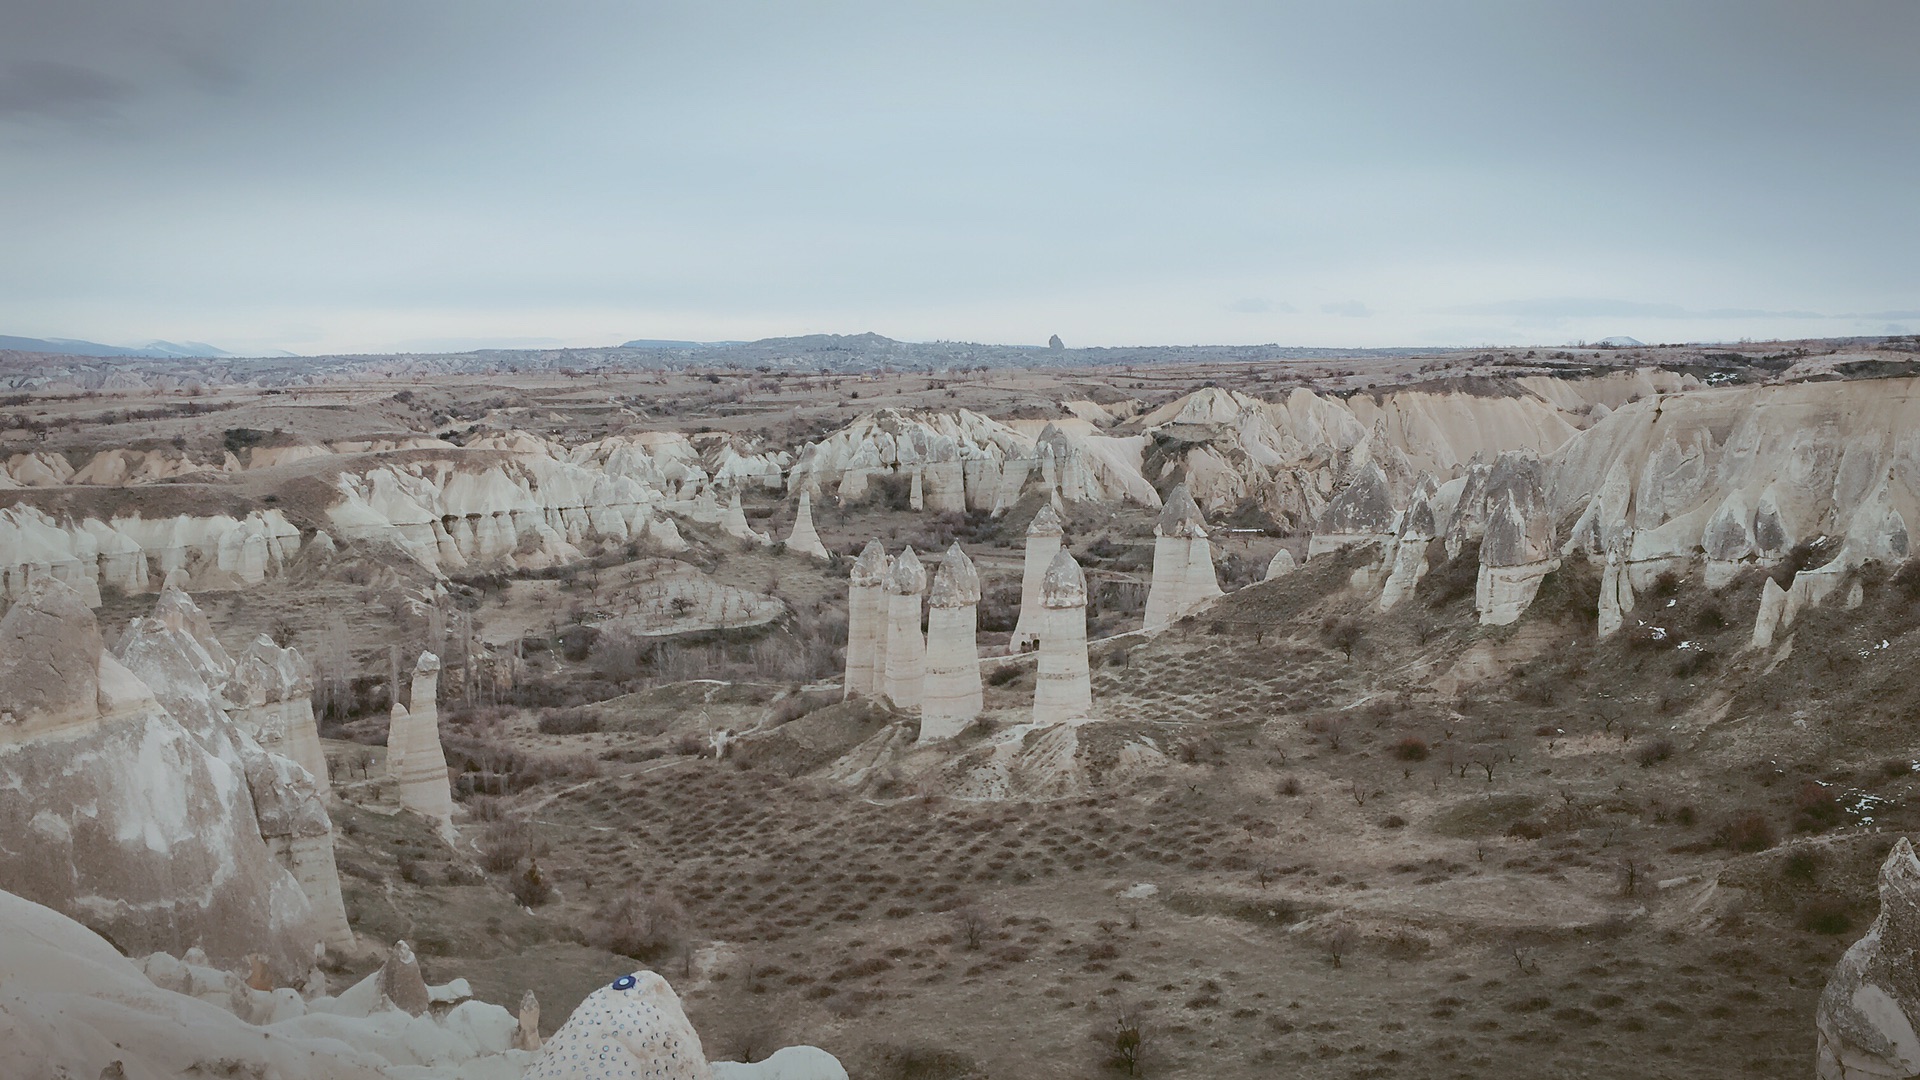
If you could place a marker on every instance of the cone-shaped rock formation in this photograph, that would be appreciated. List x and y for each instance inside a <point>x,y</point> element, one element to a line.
<point>1183,577</point>
<point>952,695</point>
<point>1044,537</point>
<point>1064,688</point>
<point>906,648</point>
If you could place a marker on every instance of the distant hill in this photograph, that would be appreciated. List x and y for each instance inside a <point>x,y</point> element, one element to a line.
<point>182,348</point>
<point>74,347</point>
<point>1621,341</point>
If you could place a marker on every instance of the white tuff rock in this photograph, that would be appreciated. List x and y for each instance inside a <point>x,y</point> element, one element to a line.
<point>632,1028</point>
<point>1044,537</point>
<point>1865,1023</point>
<point>804,539</point>
<point>415,759</point>
<point>1063,688</point>
<point>866,622</point>
<point>906,655</point>
<point>1183,576</point>
<point>952,695</point>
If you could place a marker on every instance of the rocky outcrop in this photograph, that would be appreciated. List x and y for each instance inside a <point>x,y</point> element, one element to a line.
<point>127,796</point>
<point>867,622</point>
<point>50,653</point>
<point>71,1005</point>
<point>734,522</point>
<point>526,1034</point>
<point>1044,537</point>
<point>1865,1024</point>
<point>1516,549</point>
<point>1282,564</point>
<point>803,539</point>
<point>271,697</point>
<point>786,1063</point>
<point>1406,561</point>
<point>1063,689</point>
<point>1362,513</point>
<point>952,695</point>
<point>961,460</point>
<point>1616,595</point>
<point>906,651</point>
<point>401,983</point>
<point>676,598</point>
<point>290,806</point>
<point>634,1027</point>
<point>1183,575</point>
<point>130,552</point>
<point>1738,476</point>
<point>416,762</point>
<point>1292,456</point>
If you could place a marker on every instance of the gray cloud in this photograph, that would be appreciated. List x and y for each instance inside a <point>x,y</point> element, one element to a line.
<point>49,88</point>
<point>1254,305</point>
<point>381,173</point>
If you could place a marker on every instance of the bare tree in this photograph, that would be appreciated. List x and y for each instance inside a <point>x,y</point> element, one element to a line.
<point>970,925</point>
<point>1340,940</point>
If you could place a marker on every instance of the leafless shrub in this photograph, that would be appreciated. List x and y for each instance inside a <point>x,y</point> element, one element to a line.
<point>1338,941</point>
<point>643,924</point>
<point>505,843</point>
<point>970,925</point>
<point>1654,752</point>
<point>530,886</point>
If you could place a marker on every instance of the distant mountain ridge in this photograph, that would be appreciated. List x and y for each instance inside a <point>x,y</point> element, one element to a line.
<point>156,349</point>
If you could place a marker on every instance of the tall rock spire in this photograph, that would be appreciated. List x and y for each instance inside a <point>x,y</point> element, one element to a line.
<point>952,696</point>
<point>866,622</point>
<point>906,662</point>
<point>420,775</point>
<point>1044,537</point>
<point>1183,577</point>
<point>1064,687</point>
<point>804,539</point>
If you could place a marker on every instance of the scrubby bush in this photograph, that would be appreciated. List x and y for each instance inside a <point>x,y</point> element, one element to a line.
<point>1343,633</point>
<point>643,924</point>
<point>1801,864</point>
<point>530,886</point>
<point>504,843</point>
<point>1004,674</point>
<point>1748,830</point>
<point>569,722</point>
<point>1453,579</point>
<point>1815,808</point>
<point>1653,753</point>
<point>1127,1043</point>
<point>1906,581</point>
<point>1710,616</point>
<point>1826,915</point>
<point>1412,748</point>
<point>798,704</point>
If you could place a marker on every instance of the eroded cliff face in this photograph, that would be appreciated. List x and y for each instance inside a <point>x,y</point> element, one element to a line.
<point>1865,1024</point>
<point>1722,479</point>
<point>1643,468</point>
<point>1739,476</point>
<point>508,500</point>
<point>963,461</point>
<point>131,801</point>
<point>1294,457</point>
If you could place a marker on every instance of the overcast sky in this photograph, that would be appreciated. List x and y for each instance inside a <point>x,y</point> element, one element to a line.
<point>352,176</point>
